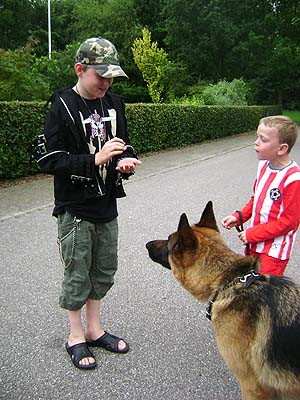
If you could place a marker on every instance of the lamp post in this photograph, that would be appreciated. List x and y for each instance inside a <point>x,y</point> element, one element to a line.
<point>276,5</point>
<point>49,30</point>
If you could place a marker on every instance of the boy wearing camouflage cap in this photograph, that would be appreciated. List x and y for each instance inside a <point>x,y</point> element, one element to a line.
<point>87,148</point>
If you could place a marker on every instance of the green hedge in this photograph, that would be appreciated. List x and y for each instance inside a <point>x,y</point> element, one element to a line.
<point>20,122</point>
<point>158,126</point>
<point>152,127</point>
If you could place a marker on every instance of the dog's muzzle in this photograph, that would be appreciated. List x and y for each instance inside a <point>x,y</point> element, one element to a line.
<point>158,252</point>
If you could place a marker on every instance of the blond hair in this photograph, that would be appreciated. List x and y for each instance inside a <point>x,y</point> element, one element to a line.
<point>287,129</point>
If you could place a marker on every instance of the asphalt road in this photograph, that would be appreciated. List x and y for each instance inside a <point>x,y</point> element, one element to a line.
<point>173,353</point>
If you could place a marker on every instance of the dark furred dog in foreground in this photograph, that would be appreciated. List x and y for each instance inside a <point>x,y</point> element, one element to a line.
<point>256,318</point>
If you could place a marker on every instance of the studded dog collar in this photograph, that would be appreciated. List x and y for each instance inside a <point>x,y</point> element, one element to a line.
<point>246,280</point>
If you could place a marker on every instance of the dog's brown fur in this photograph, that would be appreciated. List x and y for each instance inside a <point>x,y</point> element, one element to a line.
<point>257,323</point>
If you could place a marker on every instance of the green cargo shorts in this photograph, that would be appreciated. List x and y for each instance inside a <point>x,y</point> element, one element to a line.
<point>89,254</point>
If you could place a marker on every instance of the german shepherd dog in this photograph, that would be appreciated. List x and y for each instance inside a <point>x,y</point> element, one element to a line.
<point>256,317</point>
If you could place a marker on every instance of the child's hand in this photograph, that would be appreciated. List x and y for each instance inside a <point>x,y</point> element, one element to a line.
<point>128,165</point>
<point>242,237</point>
<point>229,222</point>
<point>112,148</point>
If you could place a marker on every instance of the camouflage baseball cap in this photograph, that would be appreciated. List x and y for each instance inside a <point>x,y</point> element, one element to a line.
<point>102,55</point>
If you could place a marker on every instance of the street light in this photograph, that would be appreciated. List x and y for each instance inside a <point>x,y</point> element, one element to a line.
<point>49,30</point>
<point>275,6</point>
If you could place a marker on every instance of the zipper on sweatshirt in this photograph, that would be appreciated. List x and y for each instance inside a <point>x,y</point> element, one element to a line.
<point>100,191</point>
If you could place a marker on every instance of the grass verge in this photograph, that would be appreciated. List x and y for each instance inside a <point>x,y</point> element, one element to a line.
<point>294,115</point>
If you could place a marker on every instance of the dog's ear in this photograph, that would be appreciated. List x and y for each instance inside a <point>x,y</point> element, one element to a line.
<point>186,237</point>
<point>208,219</point>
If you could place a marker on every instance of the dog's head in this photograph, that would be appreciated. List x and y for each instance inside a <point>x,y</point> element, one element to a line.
<point>197,255</point>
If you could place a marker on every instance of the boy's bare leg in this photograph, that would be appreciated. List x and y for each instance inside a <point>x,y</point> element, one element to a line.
<point>77,333</point>
<point>93,326</point>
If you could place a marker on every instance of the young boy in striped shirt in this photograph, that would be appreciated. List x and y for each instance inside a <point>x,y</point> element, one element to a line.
<point>274,208</point>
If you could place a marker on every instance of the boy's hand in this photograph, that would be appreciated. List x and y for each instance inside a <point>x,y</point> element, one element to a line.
<point>128,165</point>
<point>113,147</point>
<point>242,237</point>
<point>229,222</point>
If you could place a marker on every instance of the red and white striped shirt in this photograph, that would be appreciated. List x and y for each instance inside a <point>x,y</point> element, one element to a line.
<point>274,210</point>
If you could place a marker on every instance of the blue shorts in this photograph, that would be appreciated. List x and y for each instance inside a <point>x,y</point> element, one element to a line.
<point>89,254</point>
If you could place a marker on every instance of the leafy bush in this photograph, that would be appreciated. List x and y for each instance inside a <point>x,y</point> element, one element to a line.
<point>59,71</point>
<point>17,79</point>
<point>151,61</point>
<point>225,93</point>
<point>33,78</point>
<point>132,93</point>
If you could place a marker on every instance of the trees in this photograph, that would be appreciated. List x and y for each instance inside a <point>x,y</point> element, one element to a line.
<point>204,41</point>
<point>17,19</point>
<point>227,39</point>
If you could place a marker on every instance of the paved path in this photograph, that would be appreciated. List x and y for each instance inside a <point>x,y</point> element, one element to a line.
<point>173,353</point>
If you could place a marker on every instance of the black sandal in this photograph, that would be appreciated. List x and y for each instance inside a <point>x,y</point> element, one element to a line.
<point>79,351</point>
<point>109,342</point>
